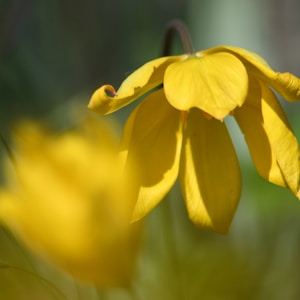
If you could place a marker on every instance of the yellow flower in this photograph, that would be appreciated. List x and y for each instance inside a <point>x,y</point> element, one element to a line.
<point>177,130</point>
<point>64,205</point>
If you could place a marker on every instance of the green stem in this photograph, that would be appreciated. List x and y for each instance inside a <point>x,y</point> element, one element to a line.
<point>177,27</point>
<point>171,246</point>
<point>7,148</point>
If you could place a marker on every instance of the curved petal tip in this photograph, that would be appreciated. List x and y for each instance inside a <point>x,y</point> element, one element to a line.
<point>100,101</point>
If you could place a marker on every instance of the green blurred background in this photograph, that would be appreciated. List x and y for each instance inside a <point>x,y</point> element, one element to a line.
<point>55,52</point>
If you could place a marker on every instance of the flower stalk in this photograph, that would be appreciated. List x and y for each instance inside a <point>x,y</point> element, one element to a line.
<point>177,27</point>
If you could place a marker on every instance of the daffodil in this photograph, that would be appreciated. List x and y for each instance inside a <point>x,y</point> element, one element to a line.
<point>61,200</point>
<point>178,131</point>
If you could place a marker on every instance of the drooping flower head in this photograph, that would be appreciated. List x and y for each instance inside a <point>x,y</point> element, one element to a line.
<point>178,129</point>
<point>61,200</point>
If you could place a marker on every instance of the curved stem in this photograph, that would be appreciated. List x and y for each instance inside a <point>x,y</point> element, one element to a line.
<point>178,27</point>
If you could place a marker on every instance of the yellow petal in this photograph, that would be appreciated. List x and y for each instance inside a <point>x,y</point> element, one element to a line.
<point>286,84</point>
<point>9,209</point>
<point>271,142</point>
<point>209,173</point>
<point>153,135</point>
<point>107,100</point>
<point>282,139</point>
<point>64,204</point>
<point>214,83</point>
<point>249,118</point>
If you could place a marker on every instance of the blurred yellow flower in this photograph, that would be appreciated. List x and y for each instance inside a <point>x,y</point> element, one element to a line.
<point>69,201</point>
<point>177,130</point>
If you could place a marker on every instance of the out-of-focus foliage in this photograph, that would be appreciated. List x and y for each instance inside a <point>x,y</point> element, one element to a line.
<point>53,50</point>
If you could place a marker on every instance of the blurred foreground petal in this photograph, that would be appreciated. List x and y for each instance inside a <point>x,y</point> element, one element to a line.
<point>71,202</point>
